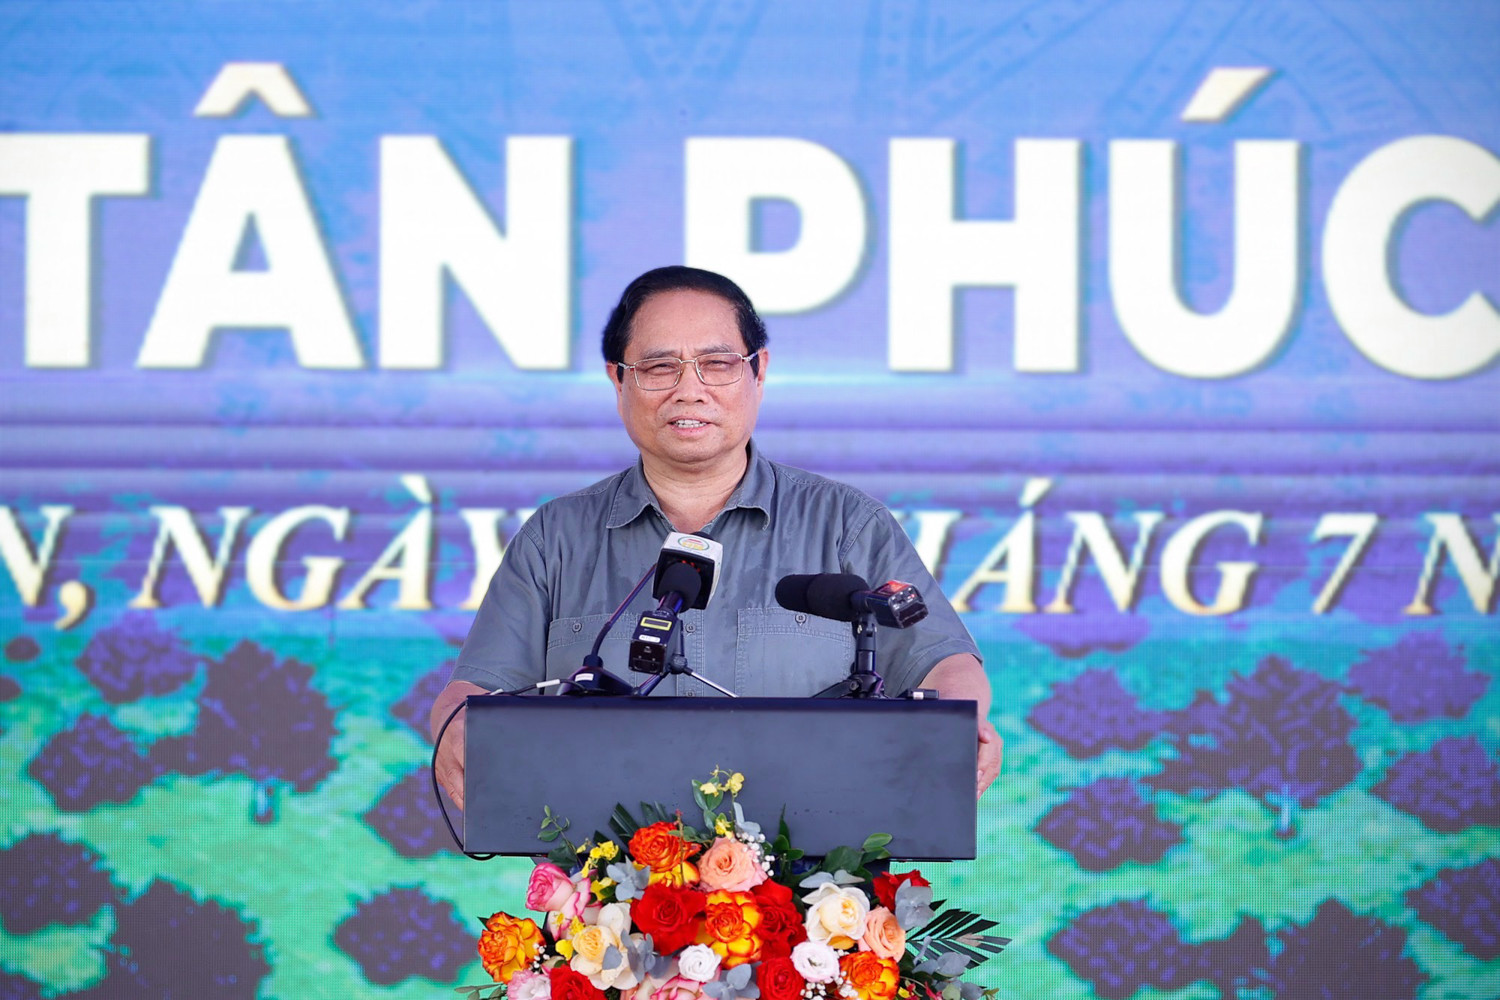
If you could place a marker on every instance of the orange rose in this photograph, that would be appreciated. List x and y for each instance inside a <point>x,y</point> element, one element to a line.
<point>661,848</point>
<point>872,977</point>
<point>508,945</point>
<point>730,922</point>
<point>883,934</point>
<point>730,865</point>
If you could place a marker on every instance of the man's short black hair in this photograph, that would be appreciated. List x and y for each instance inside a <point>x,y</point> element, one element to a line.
<point>670,279</point>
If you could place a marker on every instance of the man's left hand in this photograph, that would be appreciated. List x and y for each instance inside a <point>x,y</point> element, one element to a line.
<point>961,677</point>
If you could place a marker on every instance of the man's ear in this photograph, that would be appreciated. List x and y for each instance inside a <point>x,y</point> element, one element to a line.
<point>615,376</point>
<point>765,362</point>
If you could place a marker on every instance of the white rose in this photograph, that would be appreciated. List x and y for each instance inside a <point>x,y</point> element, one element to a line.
<point>591,946</point>
<point>836,915</point>
<point>815,961</point>
<point>698,962</point>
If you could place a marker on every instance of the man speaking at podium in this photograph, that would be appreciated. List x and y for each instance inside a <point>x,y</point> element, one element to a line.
<point>686,353</point>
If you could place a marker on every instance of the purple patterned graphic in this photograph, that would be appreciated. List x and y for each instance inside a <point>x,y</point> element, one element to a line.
<point>407,818</point>
<point>10,690</point>
<point>133,658</point>
<point>1093,713</point>
<point>1073,637</point>
<point>1341,956</point>
<point>1123,947</point>
<point>1126,946</point>
<point>1451,786</point>
<point>46,880</point>
<point>1464,903</point>
<point>14,986</point>
<point>414,706</point>
<point>404,933</point>
<point>1107,823</point>
<point>1282,737</point>
<point>22,649</point>
<point>145,957</point>
<point>257,716</point>
<point>1417,679</point>
<point>1234,963</point>
<point>91,763</point>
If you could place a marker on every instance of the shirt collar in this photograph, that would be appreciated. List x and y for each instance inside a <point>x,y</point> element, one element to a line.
<point>633,497</point>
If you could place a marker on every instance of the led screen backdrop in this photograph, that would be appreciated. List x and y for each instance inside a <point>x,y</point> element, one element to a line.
<point>1167,329</point>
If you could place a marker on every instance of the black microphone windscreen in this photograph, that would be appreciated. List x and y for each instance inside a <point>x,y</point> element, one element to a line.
<point>680,578</point>
<point>826,595</point>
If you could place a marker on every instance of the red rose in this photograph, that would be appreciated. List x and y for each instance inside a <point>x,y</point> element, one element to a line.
<point>781,927</point>
<point>770,893</point>
<point>778,979</point>
<point>570,985</point>
<point>886,885</point>
<point>670,915</point>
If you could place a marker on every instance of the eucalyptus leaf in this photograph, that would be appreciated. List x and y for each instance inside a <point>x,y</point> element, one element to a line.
<point>630,881</point>
<point>612,958</point>
<point>815,879</point>
<point>743,825</point>
<point>913,907</point>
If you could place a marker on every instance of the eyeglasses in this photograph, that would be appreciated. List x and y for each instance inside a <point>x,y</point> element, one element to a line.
<point>657,374</point>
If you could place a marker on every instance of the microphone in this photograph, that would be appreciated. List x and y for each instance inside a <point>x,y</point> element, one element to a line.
<point>686,574</point>
<point>844,597</point>
<point>699,554</point>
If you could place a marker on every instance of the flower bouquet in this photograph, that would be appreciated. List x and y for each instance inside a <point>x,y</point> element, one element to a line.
<point>661,910</point>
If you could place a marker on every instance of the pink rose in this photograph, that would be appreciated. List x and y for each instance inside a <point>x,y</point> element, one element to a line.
<point>883,935</point>
<point>678,988</point>
<point>731,866</point>
<point>548,889</point>
<point>575,907</point>
<point>529,986</point>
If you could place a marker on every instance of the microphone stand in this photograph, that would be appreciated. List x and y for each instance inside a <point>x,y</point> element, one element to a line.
<point>677,664</point>
<point>863,681</point>
<point>593,679</point>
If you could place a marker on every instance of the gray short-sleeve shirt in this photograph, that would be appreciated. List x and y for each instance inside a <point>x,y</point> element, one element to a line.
<point>578,556</point>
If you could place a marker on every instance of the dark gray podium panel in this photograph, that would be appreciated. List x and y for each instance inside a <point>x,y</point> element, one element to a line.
<point>842,769</point>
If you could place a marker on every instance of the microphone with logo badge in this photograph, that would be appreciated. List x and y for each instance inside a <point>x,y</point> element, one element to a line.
<point>846,597</point>
<point>687,573</point>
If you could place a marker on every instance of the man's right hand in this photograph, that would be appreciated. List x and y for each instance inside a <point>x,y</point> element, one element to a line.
<point>449,765</point>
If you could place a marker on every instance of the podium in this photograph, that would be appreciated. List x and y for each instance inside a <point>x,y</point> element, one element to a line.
<point>841,769</point>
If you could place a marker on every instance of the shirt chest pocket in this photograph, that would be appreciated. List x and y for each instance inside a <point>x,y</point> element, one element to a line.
<point>785,654</point>
<point>570,639</point>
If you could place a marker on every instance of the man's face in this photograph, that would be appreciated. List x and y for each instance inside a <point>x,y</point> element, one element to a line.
<point>692,428</point>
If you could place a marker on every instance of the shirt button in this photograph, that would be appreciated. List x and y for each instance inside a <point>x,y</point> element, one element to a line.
<point>578,626</point>
<point>690,693</point>
<point>801,619</point>
<point>690,628</point>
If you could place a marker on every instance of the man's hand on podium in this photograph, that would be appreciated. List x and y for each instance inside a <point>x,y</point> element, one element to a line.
<point>990,747</point>
<point>449,765</point>
<point>962,678</point>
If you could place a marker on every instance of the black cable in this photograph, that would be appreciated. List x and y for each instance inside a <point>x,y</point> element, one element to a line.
<point>437,791</point>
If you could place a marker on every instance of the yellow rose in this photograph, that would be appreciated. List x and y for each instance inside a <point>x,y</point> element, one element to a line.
<point>592,942</point>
